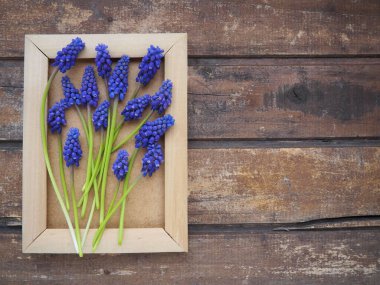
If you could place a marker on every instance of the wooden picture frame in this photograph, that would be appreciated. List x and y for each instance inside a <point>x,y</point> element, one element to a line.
<point>36,236</point>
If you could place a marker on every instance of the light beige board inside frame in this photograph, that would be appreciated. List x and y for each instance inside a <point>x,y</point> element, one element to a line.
<point>173,237</point>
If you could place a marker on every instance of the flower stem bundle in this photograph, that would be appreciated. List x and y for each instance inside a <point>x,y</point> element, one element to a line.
<point>101,128</point>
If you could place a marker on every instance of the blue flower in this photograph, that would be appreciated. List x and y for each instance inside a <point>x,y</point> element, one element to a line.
<point>163,98</point>
<point>118,83</point>
<point>71,94</point>
<point>65,58</point>
<point>120,166</point>
<point>56,117</point>
<point>89,89</point>
<point>135,108</point>
<point>103,61</point>
<point>151,132</point>
<point>72,151</point>
<point>152,159</point>
<point>100,117</point>
<point>149,65</point>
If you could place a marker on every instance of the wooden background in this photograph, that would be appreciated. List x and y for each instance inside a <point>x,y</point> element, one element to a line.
<point>284,141</point>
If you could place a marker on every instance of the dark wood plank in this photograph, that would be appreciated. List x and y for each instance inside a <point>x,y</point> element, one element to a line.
<point>284,98</point>
<point>11,182</point>
<point>11,100</point>
<point>223,28</point>
<point>284,185</point>
<point>256,99</point>
<point>243,257</point>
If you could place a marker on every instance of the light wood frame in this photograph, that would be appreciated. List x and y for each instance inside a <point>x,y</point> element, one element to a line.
<point>36,237</point>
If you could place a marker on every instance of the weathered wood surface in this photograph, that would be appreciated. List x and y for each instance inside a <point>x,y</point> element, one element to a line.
<point>249,257</point>
<point>284,98</point>
<point>255,98</point>
<point>284,185</point>
<point>223,28</point>
<point>242,111</point>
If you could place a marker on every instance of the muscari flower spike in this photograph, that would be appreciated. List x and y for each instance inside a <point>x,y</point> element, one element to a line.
<point>89,89</point>
<point>120,166</point>
<point>72,151</point>
<point>149,65</point>
<point>65,58</point>
<point>152,159</point>
<point>100,116</point>
<point>163,98</point>
<point>118,82</point>
<point>71,94</point>
<point>56,117</point>
<point>151,132</point>
<point>103,61</point>
<point>135,108</point>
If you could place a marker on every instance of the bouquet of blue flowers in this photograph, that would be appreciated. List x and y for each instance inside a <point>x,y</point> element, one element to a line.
<point>102,123</point>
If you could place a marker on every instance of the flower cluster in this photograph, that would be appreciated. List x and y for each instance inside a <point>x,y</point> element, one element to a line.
<point>120,166</point>
<point>152,159</point>
<point>118,83</point>
<point>71,94</point>
<point>72,151</point>
<point>103,61</point>
<point>147,134</point>
<point>56,117</point>
<point>89,89</point>
<point>163,98</point>
<point>151,132</point>
<point>135,108</point>
<point>65,58</point>
<point>149,65</point>
<point>100,117</point>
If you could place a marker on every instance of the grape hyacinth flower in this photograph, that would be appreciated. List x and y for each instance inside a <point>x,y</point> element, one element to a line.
<point>56,117</point>
<point>89,89</point>
<point>103,61</point>
<point>72,96</point>
<point>135,108</point>
<point>163,98</point>
<point>151,132</point>
<point>72,151</point>
<point>149,65</point>
<point>120,166</point>
<point>100,116</point>
<point>118,82</point>
<point>152,159</point>
<point>65,58</point>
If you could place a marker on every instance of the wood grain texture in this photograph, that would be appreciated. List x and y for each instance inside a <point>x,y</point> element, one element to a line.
<point>284,98</point>
<point>255,98</point>
<point>224,258</point>
<point>11,99</point>
<point>223,28</point>
<point>11,182</point>
<point>261,185</point>
<point>282,185</point>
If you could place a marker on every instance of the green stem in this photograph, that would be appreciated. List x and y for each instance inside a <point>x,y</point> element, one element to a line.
<point>114,196</point>
<point>136,91</point>
<point>47,159</point>
<point>62,172</point>
<point>90,166</point>
<point>86,188</point>
<point>125,188</point>
<point>88,222</point>
<point>83,122</point>
<point>133,133</point>
<point>103,224</point>
<point>107,158</point>
<point>76,220</point>
<point>118,128</point>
